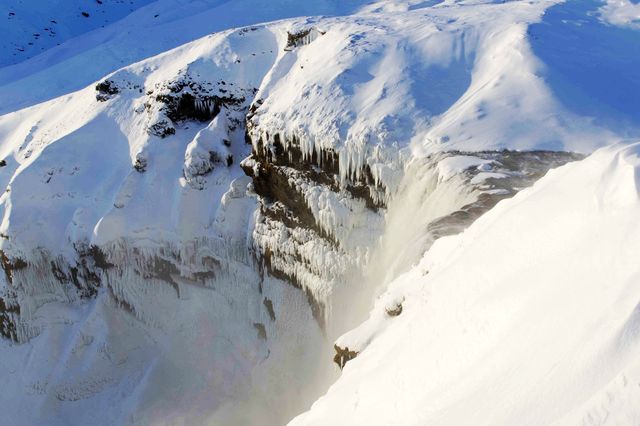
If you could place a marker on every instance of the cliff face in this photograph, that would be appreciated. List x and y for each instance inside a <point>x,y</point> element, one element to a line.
<point>199,227</point>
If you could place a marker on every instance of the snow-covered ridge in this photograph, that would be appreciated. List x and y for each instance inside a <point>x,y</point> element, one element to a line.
<point>447,81</point>
<point>159,26</point>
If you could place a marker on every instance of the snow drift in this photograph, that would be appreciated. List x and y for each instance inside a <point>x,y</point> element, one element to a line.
<point>537,329</point>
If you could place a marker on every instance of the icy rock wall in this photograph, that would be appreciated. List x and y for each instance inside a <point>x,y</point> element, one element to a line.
<point>324,225</point>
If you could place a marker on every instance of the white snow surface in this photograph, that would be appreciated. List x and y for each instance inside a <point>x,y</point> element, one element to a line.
<point>624,13</point>
<point>496,329</point>
<point>381,83</point>
<point>450,166</point>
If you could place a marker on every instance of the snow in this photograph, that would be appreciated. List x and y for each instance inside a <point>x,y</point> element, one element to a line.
<point>461,77</point>
<point>357,101</point>
<point>480,177</point>
<point>624,13</point>
<point>527,317</point>
<point>415,93</point>
<point>450,166</point>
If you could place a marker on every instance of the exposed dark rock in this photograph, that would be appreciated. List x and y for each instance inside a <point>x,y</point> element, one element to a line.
<point>252,111</point>
<point>284,203</point>
<point>164,270</point>
<point>302,38</point>
<point>272,183</point>
<point>185,100</point>
<point>162,129</point>
<point>82,276</point>
<point>8,317</point>
<point>272,179</point>
<point>185,106</point>
<point>273,169</point>
<point>204,276</point>
<point>140,165</point>
<point>126,306</point>
<point>269,305</point>
<point>11,265</point>
<point>394,311</point>
<point>343,356</point>
<point>262,331</point>
<point>363,192</point>
<point>99,258</point>
<point>211,263</point>
<point>106,90</point>
<point>325,164</point>
<point>320,167</point>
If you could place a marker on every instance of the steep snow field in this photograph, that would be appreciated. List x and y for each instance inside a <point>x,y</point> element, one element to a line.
<point>155,274</point>
<point>528,317</point>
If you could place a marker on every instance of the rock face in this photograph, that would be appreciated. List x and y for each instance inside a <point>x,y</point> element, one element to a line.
<point>300,200</point>
<point>106,89</point>
<point>302,37</point>
<point>343,355</point>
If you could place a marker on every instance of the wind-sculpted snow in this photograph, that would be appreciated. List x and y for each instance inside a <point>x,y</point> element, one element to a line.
<point>455,78</point>
<point>581,52</point>
<point>624,13</point>
<point>184,238</point>
<point>527,317</point>
<point>159,26</point>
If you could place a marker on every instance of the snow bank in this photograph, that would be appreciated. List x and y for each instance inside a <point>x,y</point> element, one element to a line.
<point>528,317</point>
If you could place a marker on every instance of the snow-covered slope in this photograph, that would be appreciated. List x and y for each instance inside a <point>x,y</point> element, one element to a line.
<point>184,237</point>
<point>530,316</point>
<point>31,27</point>
<point>99,48</point>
